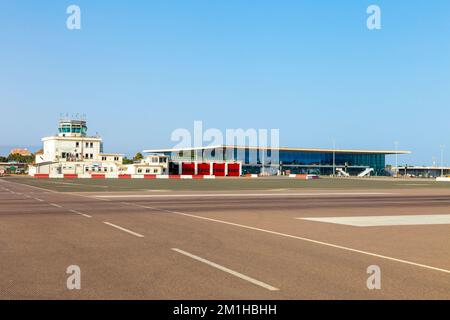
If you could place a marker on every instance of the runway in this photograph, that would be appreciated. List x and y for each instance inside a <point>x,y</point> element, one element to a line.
<point>233,244</point>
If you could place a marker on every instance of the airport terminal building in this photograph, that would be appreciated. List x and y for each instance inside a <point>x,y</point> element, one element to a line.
<point>72,152</point>
<point>261,160</point>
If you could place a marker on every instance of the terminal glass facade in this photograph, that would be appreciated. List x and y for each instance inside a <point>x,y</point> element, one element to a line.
<point>287,161</point>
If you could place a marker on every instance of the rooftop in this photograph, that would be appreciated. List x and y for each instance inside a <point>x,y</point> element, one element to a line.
<point>283,149</point>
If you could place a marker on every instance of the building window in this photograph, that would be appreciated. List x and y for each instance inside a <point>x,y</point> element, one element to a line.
<point>105,169</point>
<point>104,158</point>
<point>77,144</point>
<point>92,145</point>
<point>87,144</point>
<point>91,155</point>
<point>63,155</point>
<point>116,158</point>
<point>86,169</point>
<point>139,170</point>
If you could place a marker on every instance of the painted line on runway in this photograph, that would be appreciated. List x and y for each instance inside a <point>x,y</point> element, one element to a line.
<point>86,196</point>
<point>80,184</point>
<point>123,229</point>
<point>225,269</point>
<point>31,186</point>
<point>55,205</point>
<point>378,221</point>
<point>81,213</point>
<point>331,245</point>
<point>38,199</point>
<point>243,195</point>
<point>103,199</point>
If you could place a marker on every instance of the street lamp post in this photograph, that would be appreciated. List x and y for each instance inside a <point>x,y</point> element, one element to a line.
<point>263,161</point>
<point>334,157</point>
<point>396,158</point>
<point>442,160</point>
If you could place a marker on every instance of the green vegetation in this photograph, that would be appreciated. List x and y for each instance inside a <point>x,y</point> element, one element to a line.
<point>20,158</point>
<point>138,156</point>
<point>125,160</point>
<point>17,158</point>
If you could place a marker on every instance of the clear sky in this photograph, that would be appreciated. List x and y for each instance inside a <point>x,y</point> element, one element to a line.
<point>141,69</point>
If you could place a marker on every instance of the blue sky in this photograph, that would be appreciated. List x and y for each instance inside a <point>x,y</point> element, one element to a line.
<point>141,69</point>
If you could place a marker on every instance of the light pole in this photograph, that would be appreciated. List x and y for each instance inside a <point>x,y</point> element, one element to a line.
<point>334,157</point>
<point>442,159</point>
<point>396,158</point>
<point>263,160</point>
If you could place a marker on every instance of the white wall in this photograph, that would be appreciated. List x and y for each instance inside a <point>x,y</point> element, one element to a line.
<point>144,169</point>
<point>55,146</point>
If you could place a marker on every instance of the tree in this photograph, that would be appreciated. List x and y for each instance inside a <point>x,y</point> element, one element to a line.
<point>125,160</point>
<point>20,158</point>
<point>138,157</point>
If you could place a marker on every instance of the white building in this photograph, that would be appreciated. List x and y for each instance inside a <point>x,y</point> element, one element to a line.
<point>71,151</point>
<point>153,164</point>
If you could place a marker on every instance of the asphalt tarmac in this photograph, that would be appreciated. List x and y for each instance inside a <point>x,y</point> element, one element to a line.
<point>223,244</point>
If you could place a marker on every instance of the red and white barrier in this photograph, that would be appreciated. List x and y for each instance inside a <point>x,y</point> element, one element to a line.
<point>118,176</point>
<point>161,176</point>
<point>41,175</point>
<point>304,176</point>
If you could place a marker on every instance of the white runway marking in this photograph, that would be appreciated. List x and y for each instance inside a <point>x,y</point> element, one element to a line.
<point>31,186</point>
<point>81,213</point>
<point>241,195</point>
<point>232,272</point>
<point>38,199</point>
<point>79,184</point>
<point>55,205</point>
<point>374,221</point>
<point>123,229</point>
<point>305,239</point>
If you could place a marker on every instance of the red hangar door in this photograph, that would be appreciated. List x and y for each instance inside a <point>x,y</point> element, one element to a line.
<point>233,169</point>
<point>219,169</point>
<point>203,169</point>
<point>188,168</point>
